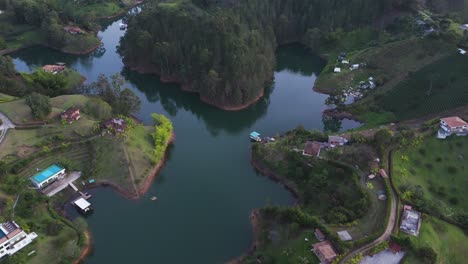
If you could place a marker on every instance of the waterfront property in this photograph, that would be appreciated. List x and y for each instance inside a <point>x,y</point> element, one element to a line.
<point>54,69</point>
<point>13,238</point>
<point>47,176</point>
<point>82,205</point>
<point>255,136</point>
<point>410,221</point>
<point>114,126</point>
<point>324,251</point>
<point>71,114</point>
<point>334,141</point>
<point>312,148</point>
<point>452,126</point>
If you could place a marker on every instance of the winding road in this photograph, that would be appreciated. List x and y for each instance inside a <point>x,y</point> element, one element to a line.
<point>390,223</point>
<point>6,124</point>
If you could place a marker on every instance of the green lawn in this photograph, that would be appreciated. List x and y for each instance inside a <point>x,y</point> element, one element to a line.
<point>434,88</point>
<point>448,241</point>
<point>140,147</point>
<point>439,167</point>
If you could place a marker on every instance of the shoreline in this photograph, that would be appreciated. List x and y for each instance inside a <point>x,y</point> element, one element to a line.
<point>86,250</point>
<point>142,189</point>
<point>85,52</point>
<point>187,87</point>
<point>254,219</point>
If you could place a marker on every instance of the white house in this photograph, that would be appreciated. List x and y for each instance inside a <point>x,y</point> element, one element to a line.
<point>83,205</point>
<point>337,70</point>
<point>452,125</point>
<point>345,61</point>
<point>354,67</point>
<point>462,51</point>
<point>47,176</point>
<point>334,141</point>
<point>13,238</point>
<point>410,221</point>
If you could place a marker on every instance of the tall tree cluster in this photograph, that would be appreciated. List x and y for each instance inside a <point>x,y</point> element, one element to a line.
<point>225,49</point>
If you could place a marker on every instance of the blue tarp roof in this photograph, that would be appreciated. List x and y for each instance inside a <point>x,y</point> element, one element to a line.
<point>254,134</point>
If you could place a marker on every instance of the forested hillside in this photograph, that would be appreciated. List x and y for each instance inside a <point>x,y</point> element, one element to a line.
<point>224,50</point>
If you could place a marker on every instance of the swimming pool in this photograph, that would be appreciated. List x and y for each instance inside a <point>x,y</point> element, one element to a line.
<point>47,173</point>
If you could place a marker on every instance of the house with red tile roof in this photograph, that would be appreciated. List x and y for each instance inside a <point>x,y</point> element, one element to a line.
<point>312,148</point>
<point>452,126</point>
<point>54,69</point>
<point>324,251</point>
<point>71,114</point>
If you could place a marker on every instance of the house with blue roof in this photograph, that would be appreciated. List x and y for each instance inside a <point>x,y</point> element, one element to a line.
<point>47,176</point>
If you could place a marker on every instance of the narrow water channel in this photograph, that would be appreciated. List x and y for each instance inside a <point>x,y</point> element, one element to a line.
<point>207,187</point>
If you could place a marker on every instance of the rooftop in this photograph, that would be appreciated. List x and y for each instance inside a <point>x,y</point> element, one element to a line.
<point>47,173</point>
<point>325,249</point>
<point>82,203</point>
<point>410,222</point>
<point>312,148</point>
<point>454,121</point>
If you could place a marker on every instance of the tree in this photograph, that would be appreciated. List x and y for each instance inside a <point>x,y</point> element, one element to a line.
<point>39,104</point>
<point>124,101</point>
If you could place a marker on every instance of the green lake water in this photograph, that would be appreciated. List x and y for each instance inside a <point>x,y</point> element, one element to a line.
<point>207,187</point>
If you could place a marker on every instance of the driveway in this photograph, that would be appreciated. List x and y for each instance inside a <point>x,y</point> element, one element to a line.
<point>6,124</point>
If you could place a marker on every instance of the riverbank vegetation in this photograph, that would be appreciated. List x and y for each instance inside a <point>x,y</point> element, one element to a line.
<point>330,195</point>
<point>24,23</point>
<point>225,52</point>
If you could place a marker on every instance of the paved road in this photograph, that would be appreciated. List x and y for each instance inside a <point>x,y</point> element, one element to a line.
<point>388,231</point>
<point>6,124</point>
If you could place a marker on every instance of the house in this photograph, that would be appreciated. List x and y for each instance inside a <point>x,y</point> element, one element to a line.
<point>394,247</point>
<point>462,51</point>
<point>115,126</point>
<point>344,235</point>
<point>312,148</point>
<point>324,251</point>
<point>47,176</point>
<point>464,27</point>
<point>345,61</point>
<point>83,205</point>
<point>71,114</point>
<point>334,141</point>
<point>255,136</point>
<point>410,221</point>
<point>337,70</point>
<point>452,125</point>
<point>383,173</point>
<point>13,238</point>
<point>319,235</point>
<point>73,30</point>
<point>54,69</point>
<point>354,67</point>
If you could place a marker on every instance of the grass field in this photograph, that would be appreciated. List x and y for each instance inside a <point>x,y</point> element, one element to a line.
<point>140,148</point>
<point>448,241</point>
<point>435,88</point>
<point>439,167</point>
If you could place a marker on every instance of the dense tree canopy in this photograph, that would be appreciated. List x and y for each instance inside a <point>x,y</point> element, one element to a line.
<point>39,104</point>
<point>225,49</point>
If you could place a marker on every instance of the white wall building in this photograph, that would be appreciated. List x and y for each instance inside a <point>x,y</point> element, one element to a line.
<point>13,238</point>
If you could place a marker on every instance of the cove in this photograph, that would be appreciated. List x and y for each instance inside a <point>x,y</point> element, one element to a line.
<point>207,187</point>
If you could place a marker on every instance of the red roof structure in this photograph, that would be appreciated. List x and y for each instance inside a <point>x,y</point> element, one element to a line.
<point>53,68</point>
<point>312,148</point>
<point>73,30</point>
<point>324,251</point>
<point>71,114</point>
<point>394,247</point>
<point>454,122</point>
<point>115,126</point>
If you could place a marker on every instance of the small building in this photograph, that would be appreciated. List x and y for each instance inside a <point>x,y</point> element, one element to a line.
<point>82,205</point>
<point>345,61</point>
<point>47,176</point>
<point>54,69</point>
<point>462,51</point>
<point>255,136</point>
<point>344,235</point>
<point>452,125</point>
<point>464,27</point>
<point>371,177</point>
<point>354,67</point>
<point>71,114</point>
<point>73,30</point>
<point>383,173</point>
<point>324,251</point>
<point>319,235</point>
<point>312,148</point>
<point>394,247</point>
<point>334,141</point>
<point>13,238</point>
<point>115,126</point>
<point>410,221</point>
<point>337,70</point>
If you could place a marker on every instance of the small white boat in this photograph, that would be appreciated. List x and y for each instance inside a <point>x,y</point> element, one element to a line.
<point>154,198</point>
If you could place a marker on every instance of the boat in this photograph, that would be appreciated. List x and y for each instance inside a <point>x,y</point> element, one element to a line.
<point>255,136</point>
<point>154,198</point>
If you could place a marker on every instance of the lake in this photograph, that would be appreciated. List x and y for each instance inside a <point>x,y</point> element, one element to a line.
<point>207,188</point>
